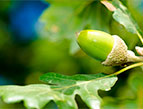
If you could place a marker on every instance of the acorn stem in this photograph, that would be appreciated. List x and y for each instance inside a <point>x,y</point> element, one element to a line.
<point>133,58</point>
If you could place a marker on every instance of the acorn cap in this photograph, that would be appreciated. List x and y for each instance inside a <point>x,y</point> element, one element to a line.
<point>119,53</point>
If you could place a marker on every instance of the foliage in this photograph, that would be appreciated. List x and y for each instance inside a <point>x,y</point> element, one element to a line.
<point>61,89</point>
<point>57,27</point>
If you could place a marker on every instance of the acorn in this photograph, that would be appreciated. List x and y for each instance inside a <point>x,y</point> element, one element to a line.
<point>111,50</point>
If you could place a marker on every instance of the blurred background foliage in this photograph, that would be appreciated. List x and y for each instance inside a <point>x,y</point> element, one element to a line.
<point>37,37</point>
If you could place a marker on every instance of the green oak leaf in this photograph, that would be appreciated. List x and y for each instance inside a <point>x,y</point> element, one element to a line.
<point>60,89</point>
<point>122,16</point>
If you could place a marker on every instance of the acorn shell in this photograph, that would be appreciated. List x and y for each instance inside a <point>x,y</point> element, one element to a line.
<point>96,44</point>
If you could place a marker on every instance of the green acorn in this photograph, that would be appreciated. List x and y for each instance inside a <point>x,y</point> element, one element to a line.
<point>110,49</point>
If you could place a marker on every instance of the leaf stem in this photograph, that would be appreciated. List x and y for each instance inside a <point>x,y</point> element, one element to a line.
<point>124,69</point>
<point>140,36</point>
<point>128,67</point>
